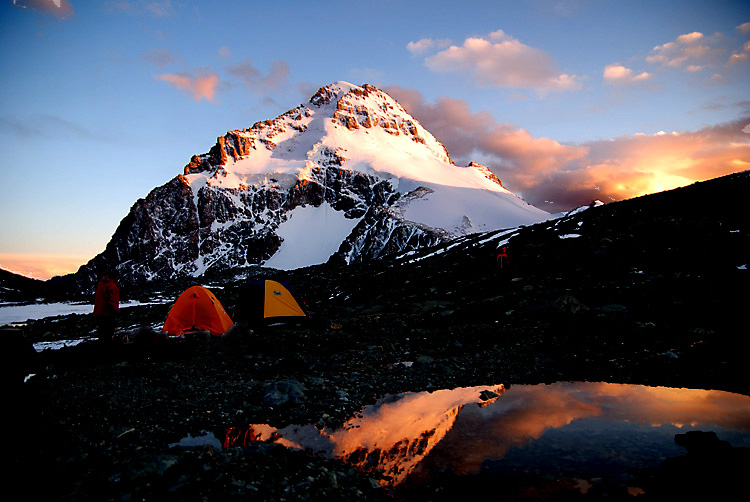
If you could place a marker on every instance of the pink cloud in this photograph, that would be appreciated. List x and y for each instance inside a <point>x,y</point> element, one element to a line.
<point>617,74</point>
<point>543,170</point>
<point>425,44</point>
<point>741,55</point>
<point>58,8</point>
<point>688,50</point>
<point>502,61</point>
<point>477,136</point>
<point>198,87</point>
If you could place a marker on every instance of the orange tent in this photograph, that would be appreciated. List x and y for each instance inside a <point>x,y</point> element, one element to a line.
<point>268,301</point>
<point>197,308</point>
<point>279,302</point>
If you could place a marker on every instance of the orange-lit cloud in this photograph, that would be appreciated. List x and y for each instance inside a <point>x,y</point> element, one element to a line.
<point>620,75</point>
<point>525,412</point>
<point>691,49</point>
<point>58,8</point>
<point>543,170</point>
<point>498,60</point>
<point>425,44</point>
<point>199,87</point>
<point>41,266</point>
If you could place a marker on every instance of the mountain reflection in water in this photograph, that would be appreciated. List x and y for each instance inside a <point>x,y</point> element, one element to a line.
<point>573,430</point>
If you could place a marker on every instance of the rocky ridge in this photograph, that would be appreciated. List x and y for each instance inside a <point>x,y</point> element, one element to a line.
<point>225,210</point>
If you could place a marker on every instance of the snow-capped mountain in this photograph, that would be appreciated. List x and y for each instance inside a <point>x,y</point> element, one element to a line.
<point>349,176</point>
<point>389,438</point>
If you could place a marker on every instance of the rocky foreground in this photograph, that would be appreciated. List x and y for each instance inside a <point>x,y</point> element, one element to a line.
<point>650,291</point>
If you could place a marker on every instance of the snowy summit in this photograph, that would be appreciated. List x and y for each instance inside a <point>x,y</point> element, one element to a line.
<point>348,176</point>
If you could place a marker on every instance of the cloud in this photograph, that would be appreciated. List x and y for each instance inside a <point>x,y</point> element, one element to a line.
<point>225,52</point>
<point>58,8</point>
<point>49,127</point>
<point>616,74</point>
<point>500,60</point>
<point>425,44</point>
<point>690,51</point>
<point>542,169</point>
<point>467,135</point>
<point>744,28</point>
<point>639,164</point>
<point>276,78</point>
<point>199,87</point>
<point>154,8</point>
<point>161,8</point>
<point>741,55</point>
<point>159,57</point>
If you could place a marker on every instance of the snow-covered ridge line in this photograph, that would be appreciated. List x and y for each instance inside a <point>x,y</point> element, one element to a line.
<point>353,151</point>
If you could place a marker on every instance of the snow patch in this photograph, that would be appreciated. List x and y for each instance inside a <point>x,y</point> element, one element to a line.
<point>310,236</point>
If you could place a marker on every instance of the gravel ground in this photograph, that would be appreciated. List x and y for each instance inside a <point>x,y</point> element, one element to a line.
<point>653,291</point>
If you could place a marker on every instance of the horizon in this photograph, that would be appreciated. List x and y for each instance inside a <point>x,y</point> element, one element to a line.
<point>565,101</point>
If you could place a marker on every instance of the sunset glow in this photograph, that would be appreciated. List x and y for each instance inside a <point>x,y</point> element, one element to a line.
<point>37,266</point>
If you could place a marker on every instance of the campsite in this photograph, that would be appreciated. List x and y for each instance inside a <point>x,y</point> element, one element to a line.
<point>638,297</point>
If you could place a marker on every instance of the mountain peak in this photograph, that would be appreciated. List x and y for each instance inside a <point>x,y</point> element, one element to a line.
<point>339,118</point>
<point>332,92</point>
<point>349,176</point>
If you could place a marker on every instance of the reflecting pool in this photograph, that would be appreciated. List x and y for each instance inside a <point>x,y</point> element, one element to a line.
<point>563,436</point>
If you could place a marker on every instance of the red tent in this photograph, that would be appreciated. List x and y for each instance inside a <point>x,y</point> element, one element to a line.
<point>197,308</point>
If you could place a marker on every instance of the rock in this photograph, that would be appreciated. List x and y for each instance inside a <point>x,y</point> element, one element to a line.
<point>614,309</point>
<point>486,395</point>
<point>569,305</point>
<point>283,392</point>
<point>702,443</point>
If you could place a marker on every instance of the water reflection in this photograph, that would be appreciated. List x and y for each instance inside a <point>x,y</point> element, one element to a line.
<point>574,430</point>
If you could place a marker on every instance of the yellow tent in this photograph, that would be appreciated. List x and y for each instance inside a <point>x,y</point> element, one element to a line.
<point>268,300</point>
<point>197,308</point>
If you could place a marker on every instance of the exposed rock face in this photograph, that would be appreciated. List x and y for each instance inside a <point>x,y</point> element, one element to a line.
<point>225,210</point>
<point>487,172</point>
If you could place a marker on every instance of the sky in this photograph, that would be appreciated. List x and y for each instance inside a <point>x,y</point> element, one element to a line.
<point>567,101</point>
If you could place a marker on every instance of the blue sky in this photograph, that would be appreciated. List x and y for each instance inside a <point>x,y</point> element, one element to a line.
<point>102,101</point>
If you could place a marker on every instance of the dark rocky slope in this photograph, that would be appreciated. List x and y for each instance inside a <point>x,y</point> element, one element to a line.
<point>652,291</point>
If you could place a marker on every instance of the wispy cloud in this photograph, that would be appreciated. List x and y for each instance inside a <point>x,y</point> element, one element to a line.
<point>427,44</point>
<point>154,8</point>
<point>690,52</point>
<point>225,52</point>
<point>616,74</point>
<point>159,57</point>
<point>49,127</point>
<point>201,86</point>
<point>499,60</point>
<point>543,170</point>
<point>58,8</point>
<point>276,78</point>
